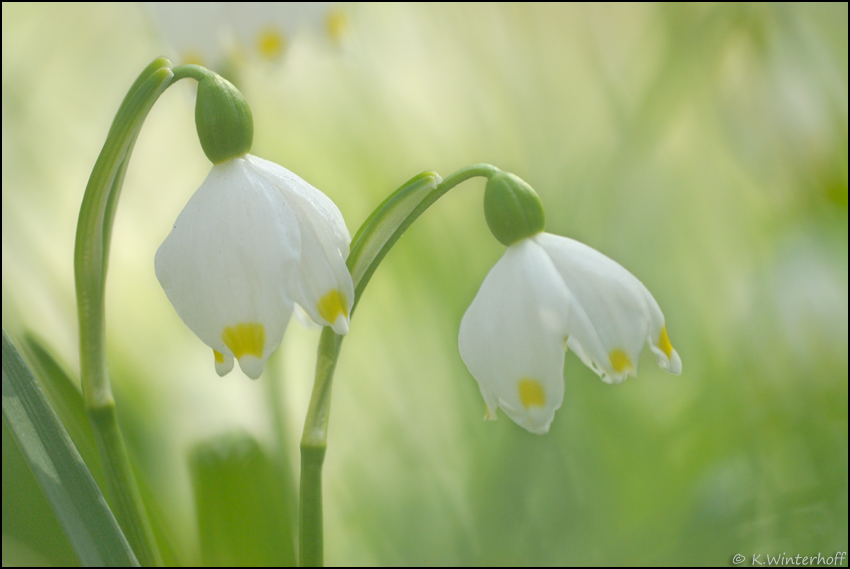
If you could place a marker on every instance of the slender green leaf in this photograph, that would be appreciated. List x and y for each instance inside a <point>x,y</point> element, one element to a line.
<point>391,219</point>
<point>243,517</point>
<point>31,529</point>
<point>65,398</point>
<point>384,226</point>
<point>58,467</point>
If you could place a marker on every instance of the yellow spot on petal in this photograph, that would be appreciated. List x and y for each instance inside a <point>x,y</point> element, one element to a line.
<point>245,338</point>
<point>270,43</point>
<point>531,393</point>
<point>219,357</point>
<point>332,305</point>
<point>336,24</point>
<point>664,342</point>
<point>620,360</point>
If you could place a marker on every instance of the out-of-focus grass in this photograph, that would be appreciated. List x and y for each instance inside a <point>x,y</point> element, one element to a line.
<point>704,147</point>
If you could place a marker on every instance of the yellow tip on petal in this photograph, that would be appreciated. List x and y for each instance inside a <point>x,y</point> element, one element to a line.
<point>620,360</point>
<point>223,363</point>
<point>664,342</point>
<point>332,305</point>
<point>531,393</point>
<point>270,43</point>
<point>245,338</point>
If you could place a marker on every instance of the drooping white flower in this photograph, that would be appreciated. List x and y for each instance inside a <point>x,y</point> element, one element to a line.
<point>254,239</point>
<point>548,294</point>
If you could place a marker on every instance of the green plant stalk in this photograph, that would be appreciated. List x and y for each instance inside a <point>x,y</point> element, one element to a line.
<point>91,255</point>
<point>314,442</point>
<point>91,252</point>
<point>370,245</point>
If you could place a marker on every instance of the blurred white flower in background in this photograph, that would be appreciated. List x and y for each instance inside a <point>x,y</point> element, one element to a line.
<point>216,34</point>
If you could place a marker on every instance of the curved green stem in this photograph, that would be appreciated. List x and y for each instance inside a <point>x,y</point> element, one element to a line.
<point>372,242</point>
<point>91,254</point>
<point>192,71</point>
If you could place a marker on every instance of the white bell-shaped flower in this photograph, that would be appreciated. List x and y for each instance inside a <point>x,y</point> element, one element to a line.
<point>548,294</point>
<point>254,239</point>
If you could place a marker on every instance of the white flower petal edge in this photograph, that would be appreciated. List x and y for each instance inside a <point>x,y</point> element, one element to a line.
<point>512,337</point>
<point>235,260</point>
<point>622,313</point>
<point>325,290</point>
<point>548,293</point>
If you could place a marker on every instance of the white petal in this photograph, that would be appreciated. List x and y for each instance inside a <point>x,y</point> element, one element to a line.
<point>322,210</point>
<point>228,262</point>
<point>304,319</point>
<point>325,289</point>
<point>223,363</point>
<point>615,313</point>
<point>659,342</point>
<point>512,337</point>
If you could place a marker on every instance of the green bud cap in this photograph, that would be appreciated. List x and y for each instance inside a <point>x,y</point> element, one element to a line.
<point>512,208</point>
<point>223,118</point>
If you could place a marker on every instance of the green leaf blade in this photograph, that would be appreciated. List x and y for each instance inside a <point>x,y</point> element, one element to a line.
<point>78,503</point>
<point>243,514</point>
<point>385,225</point>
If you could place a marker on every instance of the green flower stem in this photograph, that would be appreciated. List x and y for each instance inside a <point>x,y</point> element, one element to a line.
<point>91,253</point>
<point>195,72</point>
<point>372,242</point>
<point>314,442</point>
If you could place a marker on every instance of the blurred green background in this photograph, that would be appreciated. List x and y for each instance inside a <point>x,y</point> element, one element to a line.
<point>704,147</point>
